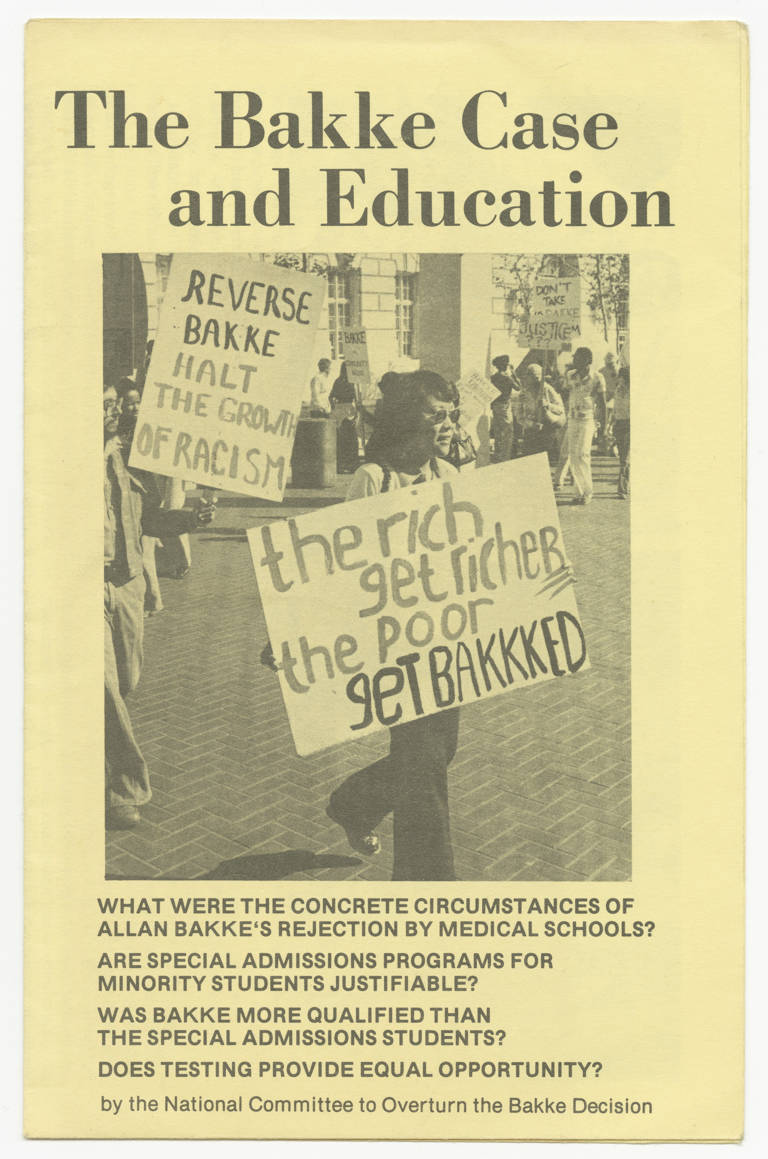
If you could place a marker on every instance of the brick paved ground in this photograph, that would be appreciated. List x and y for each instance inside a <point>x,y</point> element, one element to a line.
<point>539,788</point>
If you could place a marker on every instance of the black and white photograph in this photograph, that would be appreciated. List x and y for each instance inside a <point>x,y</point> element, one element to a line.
<point>420,368</point>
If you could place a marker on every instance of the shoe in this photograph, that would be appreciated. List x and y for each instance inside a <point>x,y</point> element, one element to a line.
<point>586,499</point>
<point>361,840</point>
<point>123,815</point>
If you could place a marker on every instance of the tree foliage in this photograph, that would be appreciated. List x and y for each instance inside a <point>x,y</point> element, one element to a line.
<point>309,263</point>
<point>604,287</point>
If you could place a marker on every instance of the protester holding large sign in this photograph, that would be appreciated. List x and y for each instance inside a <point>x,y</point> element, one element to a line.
<point>438,590</point>
<point>415,427</point>
<point>234,345</point>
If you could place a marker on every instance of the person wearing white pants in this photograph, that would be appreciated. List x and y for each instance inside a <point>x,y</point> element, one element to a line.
<point>586,389</point>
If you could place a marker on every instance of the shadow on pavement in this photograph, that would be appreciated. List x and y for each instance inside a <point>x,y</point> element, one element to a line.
<point>273,866</point>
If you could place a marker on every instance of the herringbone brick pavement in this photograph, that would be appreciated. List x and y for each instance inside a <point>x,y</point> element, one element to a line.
<point>539,788</point>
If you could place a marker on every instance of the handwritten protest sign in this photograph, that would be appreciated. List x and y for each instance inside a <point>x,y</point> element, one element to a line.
<point>476,393</point>
<point>355,354</point>
<point>554,319</point>
<point>418,600</point>
<point>229,366</point>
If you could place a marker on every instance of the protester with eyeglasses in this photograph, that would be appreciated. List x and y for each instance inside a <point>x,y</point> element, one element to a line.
<point>131,509</point>
<point>413,434</point>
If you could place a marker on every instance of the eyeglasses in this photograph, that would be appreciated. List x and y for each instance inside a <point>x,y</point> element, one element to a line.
<point>112,406</point>
<point>437,417</point>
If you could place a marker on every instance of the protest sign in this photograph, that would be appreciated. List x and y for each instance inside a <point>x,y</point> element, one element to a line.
<point>230,362</point>
<point>476,393</point>
<point>417,600</point>
<point>355,355</point>
<point>554,319</point>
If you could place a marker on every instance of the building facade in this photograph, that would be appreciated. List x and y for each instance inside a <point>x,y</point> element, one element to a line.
<point>452,313</point>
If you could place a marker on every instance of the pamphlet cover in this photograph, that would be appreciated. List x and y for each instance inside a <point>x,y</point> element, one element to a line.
<point>423,598</point>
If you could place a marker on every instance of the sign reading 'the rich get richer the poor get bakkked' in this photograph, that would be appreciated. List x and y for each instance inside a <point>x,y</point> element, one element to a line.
<point>233,354</point>
<point>416,600</point>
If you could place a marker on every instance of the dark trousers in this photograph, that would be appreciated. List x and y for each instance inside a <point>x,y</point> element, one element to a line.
<point>412,784</point>
<point>621,435</point>
<point>347,454</point>
<point>544,441</point>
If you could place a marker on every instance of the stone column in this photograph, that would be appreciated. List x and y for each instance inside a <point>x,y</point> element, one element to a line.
<point>454,317</point>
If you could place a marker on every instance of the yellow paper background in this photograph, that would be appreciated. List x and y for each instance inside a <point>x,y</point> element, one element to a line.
<point>665,1014</point>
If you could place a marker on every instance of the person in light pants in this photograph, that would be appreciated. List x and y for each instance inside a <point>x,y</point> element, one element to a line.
<point>586,390</point>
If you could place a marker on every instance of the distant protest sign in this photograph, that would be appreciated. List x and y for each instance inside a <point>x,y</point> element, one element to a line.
<point>418,600</point>
<point>554,319</point>
<point>230,362</point>
<point>476,393</point>
<point>355,355</point>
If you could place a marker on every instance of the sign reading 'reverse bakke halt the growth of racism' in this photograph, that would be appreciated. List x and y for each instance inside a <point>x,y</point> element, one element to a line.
<point>231,359</point>
<point>417,600</point>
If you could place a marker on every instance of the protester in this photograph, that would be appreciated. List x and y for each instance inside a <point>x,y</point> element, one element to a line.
<point>319,388</point>
<point>462,452</point>
<point>562,472</point>
<point>129,395</point>
<point>540,414</point>
<point>390,380</point>
<point>621,429</point>
<point>131,508</point>
<point>609,372</point>
<point>586,390</point>
<point>411,438</point>
<point>343,394</point>
<point>503,429</point>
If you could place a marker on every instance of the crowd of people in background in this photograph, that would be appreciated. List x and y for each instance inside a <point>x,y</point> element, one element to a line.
<point>567,414</point>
